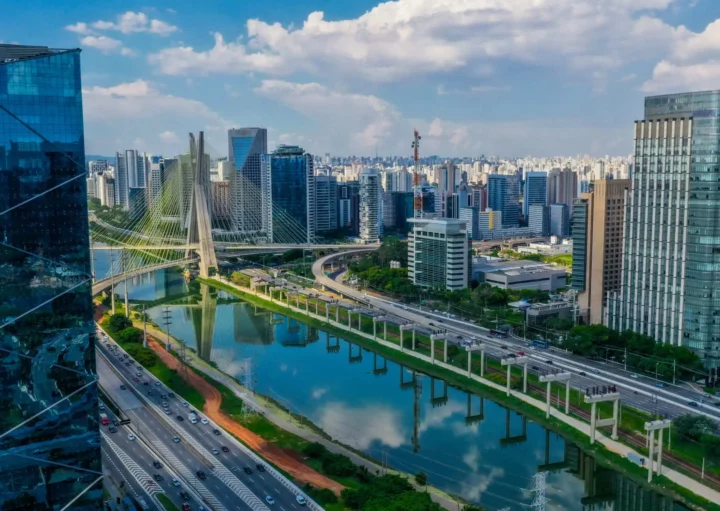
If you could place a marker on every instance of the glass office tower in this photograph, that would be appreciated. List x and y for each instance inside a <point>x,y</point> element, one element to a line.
<point>49,434</point>
<point>671,258</point>
<point>290,195</point>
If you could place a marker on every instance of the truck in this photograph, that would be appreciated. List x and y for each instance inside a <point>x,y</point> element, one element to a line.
<point>104,419</point>
<point>192,417</point>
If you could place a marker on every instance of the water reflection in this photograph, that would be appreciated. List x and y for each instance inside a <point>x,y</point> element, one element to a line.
<point>468,445</point>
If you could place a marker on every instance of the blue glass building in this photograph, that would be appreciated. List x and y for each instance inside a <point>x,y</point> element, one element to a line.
<point>504,196</point>
<point>290,195</point>
<point>535,191</point>
<point>49,434</point>
<point>247,196</point>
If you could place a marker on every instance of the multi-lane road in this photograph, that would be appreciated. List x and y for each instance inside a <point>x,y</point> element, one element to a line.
<point>188,449</point>
<point>635,390</point>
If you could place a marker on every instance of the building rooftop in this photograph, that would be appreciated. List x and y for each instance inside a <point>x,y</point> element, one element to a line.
<point>16,52</point>
<point>513,267</point>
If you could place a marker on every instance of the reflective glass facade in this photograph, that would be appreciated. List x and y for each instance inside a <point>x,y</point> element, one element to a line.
<point>671,261</point>
<point>503,195</point>
<point>247,184</point>
<point>49,434</point>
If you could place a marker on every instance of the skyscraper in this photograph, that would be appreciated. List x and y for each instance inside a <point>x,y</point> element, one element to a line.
<point>49,431</point>
<point>503,195</point>
<point>562,187</point>
<point>246,147</point>
<point>559,220</point>
<point>539,219</point>
<point>438,253</point>
<point>290,200</point>
<point>122,182</point>
<point>326,204</point>
<point>671,254</point>
<point>597,230</point>
<point>370,203</point>
<point>535,191</point>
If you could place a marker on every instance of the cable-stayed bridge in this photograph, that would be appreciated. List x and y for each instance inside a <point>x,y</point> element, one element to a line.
<point>183,217</point>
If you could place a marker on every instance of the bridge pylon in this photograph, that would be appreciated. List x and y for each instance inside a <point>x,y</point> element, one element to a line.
<point>200,224</point>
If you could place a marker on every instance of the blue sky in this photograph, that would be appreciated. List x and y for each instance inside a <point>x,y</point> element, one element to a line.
<point>494,77</point>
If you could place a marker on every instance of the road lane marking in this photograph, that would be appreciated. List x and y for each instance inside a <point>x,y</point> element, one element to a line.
<point>277,491</point>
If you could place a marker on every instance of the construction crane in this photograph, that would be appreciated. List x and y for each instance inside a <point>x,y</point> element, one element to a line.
<point>417,191</point>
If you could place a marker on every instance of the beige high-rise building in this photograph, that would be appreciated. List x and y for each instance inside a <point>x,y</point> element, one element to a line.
<point>597,233</point>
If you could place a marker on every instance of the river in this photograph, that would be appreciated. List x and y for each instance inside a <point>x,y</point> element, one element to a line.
<point>468,446</point>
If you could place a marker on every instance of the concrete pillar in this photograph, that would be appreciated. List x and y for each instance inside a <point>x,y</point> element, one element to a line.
<point>287,298</point>
<point>432,350</point>
<point>359,322</point>
<point>469,364</point>
<point>507,390</point>
<point>652,452</point>
<point>616,407</point>
<point>349,319</point>
<point>659,454</point>
<point>482,363</point>
<point>374,330</point>
<point>327,312</point>
<point>413,338</point>
<point>385,330</point>
<point>127,300</point>
<point>593,419</point>
<point>401,340</point>
<point>445,350</point>
<point>547,399</point>
<point>525,378</point>
<point>337,314</point>
<point>567,397</point>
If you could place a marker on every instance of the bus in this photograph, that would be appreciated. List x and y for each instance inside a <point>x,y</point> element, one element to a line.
<point>499,333</point>
<point>540,343</point>
<point>104,419</point>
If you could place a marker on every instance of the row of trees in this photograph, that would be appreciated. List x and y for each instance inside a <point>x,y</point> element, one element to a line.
<point>698,428</point>
<point>643,352</point>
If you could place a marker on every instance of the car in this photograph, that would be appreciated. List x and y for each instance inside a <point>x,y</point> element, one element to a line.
<point>146,383</point>
<point>158,477</point>
<point>549,362</point>
<point>167,411</point>
<point>204,421</point>
<point>269,500</point>
<point>175,482</point>
<point>138,374</point>
<point>535,368</point>
<point>260,467</point>
<point>127,364</point>
<point>150,393</point>
<point>123,387</point>
<point>184,495</point>
<point>176,439</point>
<point>431,324</point>
<point>112,429</point>
<point>157,464</point>
<point>511,355</point>
<point>301,500</point>
<point>116,422</point>
<point>717,403</point>
<point>582,373</point>
<point>532,348</point>
<point>706,394</point>
<point>165,405</point>
<point>101,407</point>
<point>131,437</point>
<point>458,337</point>
<point>185,506</point>
<point>660,385</point>
<point>225,449</point>
<point>180,418</point>
<point>216,432</point>
<point>136,379</point>
<point>125,355</point>
<point>171,394</point>
<point>185,404</point>
<point>521,353</point>
<point>247,470</point>
<point>201,475</point>
<point>503,347</point>
<point>693,404</point>
<point>634,375</point>
<point>163,396</point>
<point>596,371</point>
<point>215,452</point>
<point>157,383</point>
<point>440,321</point>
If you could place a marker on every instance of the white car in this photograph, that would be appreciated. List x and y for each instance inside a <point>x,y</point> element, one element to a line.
<point>269,500</point>
<point>185,404</point>
<point>131,437</point>
<point>204,421</point>
<point>215,452</point>
<point>300,500</point>
<point>175,482</point>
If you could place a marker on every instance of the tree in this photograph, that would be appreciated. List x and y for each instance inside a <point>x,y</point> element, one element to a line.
<point>118,322</point>
<point>711,447</point>
<point>315,450</point>
<point>693,427</point>
<point>404,502</point>
<point>421,478</point>
<point>130,334</point>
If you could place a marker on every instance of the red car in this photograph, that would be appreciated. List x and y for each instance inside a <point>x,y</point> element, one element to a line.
<point>135,379</point>
<point>521,353</point>
<point>186,506</point>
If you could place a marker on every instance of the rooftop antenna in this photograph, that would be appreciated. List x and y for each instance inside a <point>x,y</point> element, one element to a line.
<point>417,191</point>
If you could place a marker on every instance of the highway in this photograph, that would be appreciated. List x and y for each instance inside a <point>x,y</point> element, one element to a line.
<point>641,392</point>
<point>226,480</point>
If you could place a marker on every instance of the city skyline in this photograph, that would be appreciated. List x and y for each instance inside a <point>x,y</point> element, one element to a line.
<point>150,75</point>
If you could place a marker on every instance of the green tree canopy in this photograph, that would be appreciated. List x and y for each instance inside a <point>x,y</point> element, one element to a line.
<point>118,322</point>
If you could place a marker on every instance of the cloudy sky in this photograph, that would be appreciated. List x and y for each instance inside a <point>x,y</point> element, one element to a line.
<point>494,77</point>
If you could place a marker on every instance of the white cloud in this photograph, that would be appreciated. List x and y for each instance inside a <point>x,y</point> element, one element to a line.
<point>79,28</point>
<point>692,64</point>
<point>168,136</point>
<point>351,425</point>
<point>402,38</point>
<point>139,110</point>
<point>476,89</point>
<point>318,393</point>
<point>367,120</point>
<point>106,45</point>
<point>127,23</point>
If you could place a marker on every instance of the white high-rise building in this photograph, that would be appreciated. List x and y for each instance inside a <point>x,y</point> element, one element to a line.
<point>370,206</point>
<point>438,253</point>
<point>247,183</point>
